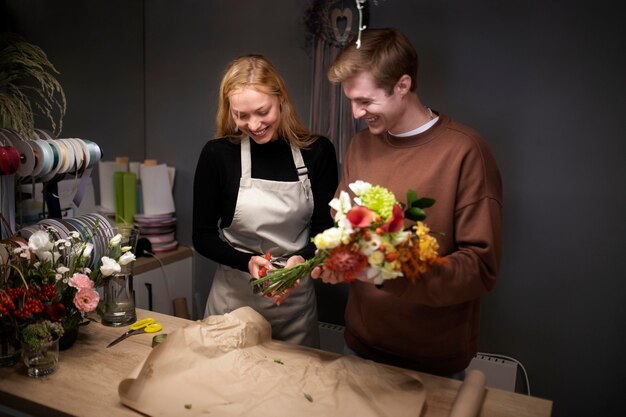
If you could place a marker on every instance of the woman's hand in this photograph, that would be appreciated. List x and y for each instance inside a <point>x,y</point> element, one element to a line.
<point>256,263</point>
<point>279,298</point>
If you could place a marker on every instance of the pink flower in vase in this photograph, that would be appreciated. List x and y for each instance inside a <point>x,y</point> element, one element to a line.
<point>86,299</point>
<point>80,281</point>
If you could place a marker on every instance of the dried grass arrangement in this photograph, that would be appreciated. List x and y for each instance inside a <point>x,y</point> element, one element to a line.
<point>28,87</point>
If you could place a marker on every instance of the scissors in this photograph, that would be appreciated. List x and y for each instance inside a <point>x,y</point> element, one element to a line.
<point>147,325</point>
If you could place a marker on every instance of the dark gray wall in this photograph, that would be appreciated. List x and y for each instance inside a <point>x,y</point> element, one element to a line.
<point>541,80</point>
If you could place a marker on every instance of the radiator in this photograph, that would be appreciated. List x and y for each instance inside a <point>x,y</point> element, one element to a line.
<point>501,373</point>
<point>331,337</point>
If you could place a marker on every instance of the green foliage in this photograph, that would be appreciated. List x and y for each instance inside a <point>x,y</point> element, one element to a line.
<point>37,334</point>
<point>28,86</point>
<point>414,209</point>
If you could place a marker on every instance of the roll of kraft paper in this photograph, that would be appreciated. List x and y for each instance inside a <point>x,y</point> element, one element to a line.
<point>469,399</point>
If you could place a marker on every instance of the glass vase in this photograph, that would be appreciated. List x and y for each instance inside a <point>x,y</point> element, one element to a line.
<point>41,360</point>
<point>118,294</point>
<point>119,305</point>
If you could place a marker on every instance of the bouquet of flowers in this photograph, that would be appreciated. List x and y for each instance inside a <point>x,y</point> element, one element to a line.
<point>49,279</point>
<point>368,238</point>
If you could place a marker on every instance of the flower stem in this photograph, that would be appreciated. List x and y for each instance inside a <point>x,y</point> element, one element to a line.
<point>278,280</point>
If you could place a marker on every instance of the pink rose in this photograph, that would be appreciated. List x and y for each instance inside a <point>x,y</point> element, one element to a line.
<point>80,281</point>
<point>86,299</point>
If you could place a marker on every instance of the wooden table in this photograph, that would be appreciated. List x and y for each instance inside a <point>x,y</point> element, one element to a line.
<point>85,384</point>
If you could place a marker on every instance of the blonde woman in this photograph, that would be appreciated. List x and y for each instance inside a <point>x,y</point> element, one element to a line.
<point>262,186</point>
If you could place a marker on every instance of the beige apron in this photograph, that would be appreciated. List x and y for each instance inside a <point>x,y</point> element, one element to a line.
<point>269,216</point>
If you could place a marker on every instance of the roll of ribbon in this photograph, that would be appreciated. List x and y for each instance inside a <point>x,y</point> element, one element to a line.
<point>25,150</point>
<point>85,155</point>
<point>5,168</point>
<point>42,134</point>
<point>65,156</point>
<point>9,160</point>
<point>45,158</point>
<point>95,153</point>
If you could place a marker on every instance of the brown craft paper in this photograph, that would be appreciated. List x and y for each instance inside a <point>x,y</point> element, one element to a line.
<point>229,366</point>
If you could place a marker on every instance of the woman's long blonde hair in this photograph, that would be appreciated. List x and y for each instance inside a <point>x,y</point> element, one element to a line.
<point>255,71</point>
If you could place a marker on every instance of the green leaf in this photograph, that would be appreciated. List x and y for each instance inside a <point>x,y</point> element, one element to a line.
<point>411,196</point>
<point>423,202</point>
<point>415,213</point>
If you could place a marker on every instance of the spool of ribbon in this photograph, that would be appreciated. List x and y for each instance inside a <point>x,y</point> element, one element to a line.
<point>9,160</point>
<point>25,151</point>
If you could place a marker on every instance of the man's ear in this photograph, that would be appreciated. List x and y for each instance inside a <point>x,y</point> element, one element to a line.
<point>403,86</point>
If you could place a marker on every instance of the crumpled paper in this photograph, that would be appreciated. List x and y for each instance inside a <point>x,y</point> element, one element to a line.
<point>228,365</point>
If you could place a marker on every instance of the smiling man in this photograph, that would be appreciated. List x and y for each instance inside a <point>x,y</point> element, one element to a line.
<point>432,325</point>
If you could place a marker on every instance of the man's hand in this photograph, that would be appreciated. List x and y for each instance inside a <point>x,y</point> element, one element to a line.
<point>326,275</point>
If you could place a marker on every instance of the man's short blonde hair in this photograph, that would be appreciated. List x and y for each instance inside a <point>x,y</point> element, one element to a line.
<point>386,53</point>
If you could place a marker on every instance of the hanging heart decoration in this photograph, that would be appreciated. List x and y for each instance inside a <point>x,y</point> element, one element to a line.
<point>341,23</point>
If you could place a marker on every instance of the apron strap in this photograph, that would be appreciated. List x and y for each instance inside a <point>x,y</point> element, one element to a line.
<point>246,163</point>
<point>246,167</point>
<point>302,171</point>
<point>299,161</point>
